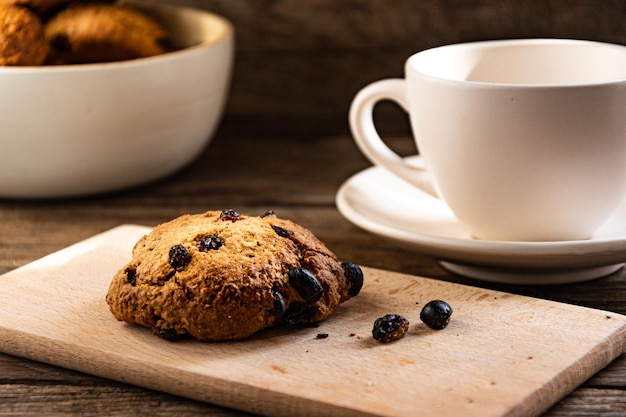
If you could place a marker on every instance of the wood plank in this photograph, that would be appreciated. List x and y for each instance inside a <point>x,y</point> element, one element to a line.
<point>515,355</point>
<point>304,60</point>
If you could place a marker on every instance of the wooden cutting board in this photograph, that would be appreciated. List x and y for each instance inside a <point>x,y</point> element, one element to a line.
<point>501,355</point>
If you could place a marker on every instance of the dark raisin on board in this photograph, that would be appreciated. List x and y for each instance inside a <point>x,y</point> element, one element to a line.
<point>306,284</point>
<point>436,314</point>
<point>210,243</point>
<point>179,257</point>
<point>321,336</point>
<point>389,328</point>
<point>355,276</point>
<point>230,214</point>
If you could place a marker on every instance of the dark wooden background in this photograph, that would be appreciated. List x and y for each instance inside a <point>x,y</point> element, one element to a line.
<point>300,62</point>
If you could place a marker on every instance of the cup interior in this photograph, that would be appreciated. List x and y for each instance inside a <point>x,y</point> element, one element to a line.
<point>524,62</point>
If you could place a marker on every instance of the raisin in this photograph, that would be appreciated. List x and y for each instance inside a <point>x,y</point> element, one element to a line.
<point>281,231</point>
<point>268,213</point>
<point>131,276</point>
<point>299,314</point>
<point>230,214</point>
<point>210,243</point>
<point>436,314</point>
<point>322,336</point>
<point>61,43</point>
<point>166,43</point>
<point>179,257</point>
<point>189,295</point>
<point>389,328</point>
<point>279,306</point>
<point>355,277</point>
<point>167,334</point>
<point>306,284</point>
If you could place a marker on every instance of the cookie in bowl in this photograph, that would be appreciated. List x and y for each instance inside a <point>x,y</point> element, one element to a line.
<point>43,8</point>
<point>223,275</point>
<point>22,40</point>
<point>90,33</point>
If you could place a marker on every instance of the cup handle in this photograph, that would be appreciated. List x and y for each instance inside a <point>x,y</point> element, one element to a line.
<point>370,143</point>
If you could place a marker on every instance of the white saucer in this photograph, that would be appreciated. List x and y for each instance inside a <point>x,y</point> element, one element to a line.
<point>380,203</point>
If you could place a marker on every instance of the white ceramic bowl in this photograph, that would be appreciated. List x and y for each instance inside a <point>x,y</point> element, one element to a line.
<point>81,129</point>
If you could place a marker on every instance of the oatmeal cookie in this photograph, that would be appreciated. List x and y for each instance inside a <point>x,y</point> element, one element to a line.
<point>224,276</point>
<point>43,8</point>
<point>89,33</point>
<point>22,39</point>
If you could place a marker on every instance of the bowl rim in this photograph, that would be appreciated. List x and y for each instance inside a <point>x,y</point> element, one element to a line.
<point>226,34</point>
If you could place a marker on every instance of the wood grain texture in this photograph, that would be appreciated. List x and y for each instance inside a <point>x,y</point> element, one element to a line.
<point>515,355</point>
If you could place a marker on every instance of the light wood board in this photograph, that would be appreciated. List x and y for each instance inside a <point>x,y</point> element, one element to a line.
<point>501,355</point>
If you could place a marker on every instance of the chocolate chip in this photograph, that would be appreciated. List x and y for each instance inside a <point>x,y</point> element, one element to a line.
<point>210,243</point>
<point>230,214</point>
<point>179,257</point>
<point>354,275</point>
<point>306,284</point>
<point>281,231</point>
<point>131,276</point>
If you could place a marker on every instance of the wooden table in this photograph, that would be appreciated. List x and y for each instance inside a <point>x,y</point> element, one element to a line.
<point>297,177</point>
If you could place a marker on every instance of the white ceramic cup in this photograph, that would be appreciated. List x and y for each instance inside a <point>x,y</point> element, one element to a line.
<point>525,140</point>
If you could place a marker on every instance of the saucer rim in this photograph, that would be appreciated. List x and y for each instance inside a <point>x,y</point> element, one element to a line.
<point>573,254</point>
<point>531,277</point>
